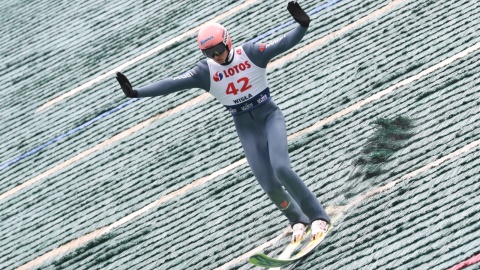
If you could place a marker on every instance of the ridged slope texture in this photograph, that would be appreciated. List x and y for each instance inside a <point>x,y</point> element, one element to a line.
<point>47,48</point>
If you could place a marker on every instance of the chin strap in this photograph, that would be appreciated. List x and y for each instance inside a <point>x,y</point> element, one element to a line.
<point>229,57</point>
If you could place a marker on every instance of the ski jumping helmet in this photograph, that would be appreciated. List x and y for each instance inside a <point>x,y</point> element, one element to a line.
<point>213,39</point>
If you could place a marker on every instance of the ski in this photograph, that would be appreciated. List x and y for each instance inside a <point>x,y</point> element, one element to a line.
<point>265,261</point>
<point>290,248</point>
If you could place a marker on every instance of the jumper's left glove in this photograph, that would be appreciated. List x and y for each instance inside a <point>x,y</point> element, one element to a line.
<point>298,14</point>
<point>126,86</point>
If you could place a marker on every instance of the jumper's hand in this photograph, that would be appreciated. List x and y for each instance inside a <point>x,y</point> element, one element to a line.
<point>126,86</point>
<point>298,14</point>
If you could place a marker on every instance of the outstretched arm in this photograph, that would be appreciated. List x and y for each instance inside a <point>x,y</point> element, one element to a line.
<point>262,53</point>
<point>194,78</point>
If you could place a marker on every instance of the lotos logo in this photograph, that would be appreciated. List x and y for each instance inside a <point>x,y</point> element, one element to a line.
<point>202,42</point>
<point>239,51</point>
<point>218,76</point>
<point>236,69</point>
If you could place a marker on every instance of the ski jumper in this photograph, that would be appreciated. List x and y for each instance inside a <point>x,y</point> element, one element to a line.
<point>241,86</point>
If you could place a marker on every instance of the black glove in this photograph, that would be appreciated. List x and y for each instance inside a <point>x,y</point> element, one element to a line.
<point>126,86</point>
<point>298,14</point>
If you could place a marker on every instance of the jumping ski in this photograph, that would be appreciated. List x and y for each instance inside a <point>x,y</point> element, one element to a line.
<point>265,261</point>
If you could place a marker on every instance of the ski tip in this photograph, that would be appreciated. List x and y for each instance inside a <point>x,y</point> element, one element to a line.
<point>264,261</point>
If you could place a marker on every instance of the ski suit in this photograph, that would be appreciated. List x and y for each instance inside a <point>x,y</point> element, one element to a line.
<point>241,86</point>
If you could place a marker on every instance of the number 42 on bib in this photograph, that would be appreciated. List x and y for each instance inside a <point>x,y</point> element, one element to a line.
<point>232,90</point>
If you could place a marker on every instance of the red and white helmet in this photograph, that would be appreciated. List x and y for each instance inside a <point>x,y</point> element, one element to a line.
<point>212,34</point>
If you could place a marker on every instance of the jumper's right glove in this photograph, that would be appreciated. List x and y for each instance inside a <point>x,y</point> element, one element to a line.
<point>298,14</point>
<point>126,86</point>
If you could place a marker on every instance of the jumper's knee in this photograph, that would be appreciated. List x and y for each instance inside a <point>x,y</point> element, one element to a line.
<point>282,171</point>
<point>273,190</point>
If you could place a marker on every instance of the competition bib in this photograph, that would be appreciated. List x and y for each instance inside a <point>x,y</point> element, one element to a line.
<point>241,85</point>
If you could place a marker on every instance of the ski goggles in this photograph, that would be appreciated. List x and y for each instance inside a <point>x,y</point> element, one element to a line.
<point>215,50</point>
